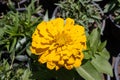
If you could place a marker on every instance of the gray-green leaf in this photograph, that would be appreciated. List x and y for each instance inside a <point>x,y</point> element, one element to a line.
<point>102,65</point>
<point>88,72</point>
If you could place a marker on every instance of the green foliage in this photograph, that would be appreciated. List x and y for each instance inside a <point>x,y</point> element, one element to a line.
<point>89,72</point>
<point>96,58</point>
<point>84,12</point>
<point>8,72</point>
<point>15,36</point>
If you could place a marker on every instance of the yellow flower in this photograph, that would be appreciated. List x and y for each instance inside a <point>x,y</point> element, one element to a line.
<point>59,43</point>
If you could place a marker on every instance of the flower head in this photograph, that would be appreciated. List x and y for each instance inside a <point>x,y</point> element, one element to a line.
<point>59,43</point>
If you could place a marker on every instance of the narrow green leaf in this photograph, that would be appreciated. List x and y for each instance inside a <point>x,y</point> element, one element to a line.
<point>16,22</point>
<point>102,65</point>
<point>13,45</point>
<point>102,46</point>
<point>96,17</point>
<point>8,46</point>
<point>32,6</point>
<point>38,9</point>
<point>11,5</point>
<point>109,7</point>
<point>28,51</point>
<point>1,32</point>
<point>88,72</point>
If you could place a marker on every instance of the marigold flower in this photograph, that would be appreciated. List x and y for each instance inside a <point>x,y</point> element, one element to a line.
<point>59,43</point>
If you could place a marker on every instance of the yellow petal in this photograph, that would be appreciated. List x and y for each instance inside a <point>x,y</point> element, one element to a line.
<point>77,46</point>
<point>77,63</point>
<point>71,60</point>
<point>81,55</point>
<point>69,21</point>
<point>43,58</point>
<point>59,24</point>
<point>42,27</point>
<point>65,52</point>
<point>56,58</point>
<point>79,29</point>
<point>42,46</point>
<point>32,49</point>
<point>59,49</point>
<point>35,33</point>
<point>51,55</point>
<point>52,46</point>
<point>51,65</point>
<point>61,62</point>
<point>69,67</point>
<point>50,27</point>
<point>57,67</point>
<point>65,57</point>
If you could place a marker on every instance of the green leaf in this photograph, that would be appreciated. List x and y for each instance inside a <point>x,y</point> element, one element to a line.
<point>30,11</point>
<point>11,5</point>
<point>102,46</point>
<point>94,36</point>
<point>38,9</point>
<point>87,54</point>
<point>94,39</point>
<point>88,72</point>
<point>104,53</point>
<point>109,7</point>
<point>26,75</point>
<point>16,20</point>
<point>1,32</point>
<point>29,14</point>
<point>102,65</point>
<point>13,45</point>
<point>96,17</point>
<point>28,51</point>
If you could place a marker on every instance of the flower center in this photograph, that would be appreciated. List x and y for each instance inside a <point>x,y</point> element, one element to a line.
<point>62,39</point>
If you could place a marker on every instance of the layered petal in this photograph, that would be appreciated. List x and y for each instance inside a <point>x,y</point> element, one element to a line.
<point>59,43</point>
